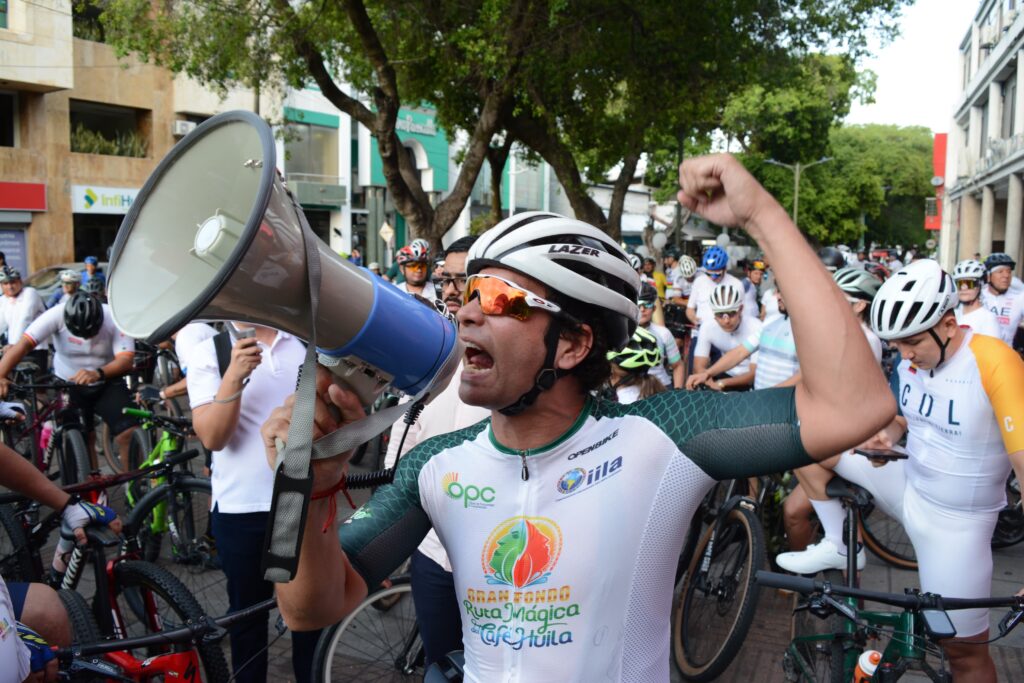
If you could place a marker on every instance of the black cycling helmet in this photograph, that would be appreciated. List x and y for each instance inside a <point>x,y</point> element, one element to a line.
<point>832,258</point>
<point>999,259</point>
<point>83,315</point>
<point>648,293</point>
<point>671,252</point>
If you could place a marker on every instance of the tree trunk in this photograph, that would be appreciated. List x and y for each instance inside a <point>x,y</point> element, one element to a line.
<point>497,157</point>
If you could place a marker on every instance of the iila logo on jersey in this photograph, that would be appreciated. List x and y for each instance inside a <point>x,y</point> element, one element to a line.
<point>579,479</point>
<point>470,495</point>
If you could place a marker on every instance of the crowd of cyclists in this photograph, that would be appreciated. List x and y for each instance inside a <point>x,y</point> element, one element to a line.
<point>589,368</point>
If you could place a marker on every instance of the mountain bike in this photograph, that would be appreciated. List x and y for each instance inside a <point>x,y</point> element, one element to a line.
<point>828,653</point>
<point>132,597</point>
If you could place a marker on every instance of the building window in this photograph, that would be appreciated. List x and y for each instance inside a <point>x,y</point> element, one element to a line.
<point>105,129</point>
<point>312,151</point>
<point>931,207</point>
<point>3,13</point>
<point>8,118</point>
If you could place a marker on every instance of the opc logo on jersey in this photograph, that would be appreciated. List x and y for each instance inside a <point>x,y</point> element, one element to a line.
<point>521,551</point>
<point>470,495</point>
<point>578,479</point>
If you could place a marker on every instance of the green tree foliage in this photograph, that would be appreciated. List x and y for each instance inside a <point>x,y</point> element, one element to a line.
<point>586,85</point>
<point>878,178</point>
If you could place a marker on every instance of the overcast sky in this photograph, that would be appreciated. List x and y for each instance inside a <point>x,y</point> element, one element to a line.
<point>918,73</point>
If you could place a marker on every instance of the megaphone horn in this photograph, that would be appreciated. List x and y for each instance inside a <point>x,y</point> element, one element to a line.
<point>214,235</point>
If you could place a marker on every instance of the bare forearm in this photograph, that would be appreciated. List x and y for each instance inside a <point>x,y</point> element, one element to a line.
<point>20,475</point>
<point>700,364</point>
<point>120,366</point>
<point>734,381</point>
<point>678,379</point>
<point>691,314</point>
<point>14,355</point>
<point>325,587</point>
<point>728,361</point>
<point>216,422</point>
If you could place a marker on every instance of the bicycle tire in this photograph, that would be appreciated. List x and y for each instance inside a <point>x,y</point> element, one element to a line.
<point>374,641</point>
<point>75,464</point>
<point>1010,525</point>
<point>194,551</point>
<point>705,641</point>
<point>139,449</point>
<point>16,563</point>
<point>822,660</point>
<point>887,539</point>
<point>137,586</point>
<point>84,629</point>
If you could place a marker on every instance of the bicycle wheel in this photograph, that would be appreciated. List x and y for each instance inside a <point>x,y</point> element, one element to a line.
<point>1010,525</point>
<point>15,557</point>
<point>171,525</point>
<point>377,642</point>
<point>887,538</point>
<point>83,624</point>
<point>714,608</point>
<point>149,599</point>
<point>815,661</point>
<point>75,464</point>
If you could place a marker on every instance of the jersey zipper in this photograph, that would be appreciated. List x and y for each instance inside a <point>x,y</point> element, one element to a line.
<point>526,470</point>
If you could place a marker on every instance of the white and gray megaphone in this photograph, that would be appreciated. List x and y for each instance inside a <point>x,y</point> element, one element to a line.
<point>214,235</point>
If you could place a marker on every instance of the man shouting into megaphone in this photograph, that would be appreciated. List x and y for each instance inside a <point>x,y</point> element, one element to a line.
<point>563,515</point>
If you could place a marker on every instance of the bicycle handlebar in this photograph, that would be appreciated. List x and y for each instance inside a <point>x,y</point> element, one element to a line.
<point>912,600</point>
<point>204,627</point>
<point>181,422</point>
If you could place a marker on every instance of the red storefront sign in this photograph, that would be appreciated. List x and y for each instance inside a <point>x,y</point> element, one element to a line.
<point>22,196</point>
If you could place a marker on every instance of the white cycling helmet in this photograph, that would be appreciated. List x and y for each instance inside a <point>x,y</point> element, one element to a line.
<point>912,300</point>
<point>635,262</point>
<point>726,297</point>
<point>969,270</point>
<point>70,277</point>
<point>857,283</point>
<point>577,262</point>
<point>687,266</point>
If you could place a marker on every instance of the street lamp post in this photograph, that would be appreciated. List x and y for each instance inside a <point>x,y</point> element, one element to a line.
<point>796,169</point>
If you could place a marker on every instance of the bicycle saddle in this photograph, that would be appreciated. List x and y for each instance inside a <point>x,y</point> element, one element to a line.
<point>847,491</point>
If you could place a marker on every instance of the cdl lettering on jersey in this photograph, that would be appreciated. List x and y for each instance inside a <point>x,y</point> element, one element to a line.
<point>926,405</point>
<point>470,494</point>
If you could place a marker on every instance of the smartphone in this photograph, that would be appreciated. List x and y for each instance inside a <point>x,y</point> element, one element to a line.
<point>937,624</point>
<point>882,453</point>
<point>237,334</point>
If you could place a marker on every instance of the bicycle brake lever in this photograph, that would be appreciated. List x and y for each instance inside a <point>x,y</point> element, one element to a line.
<point>208,630</point>
<point>1010,621</point>
<point>840,607</point>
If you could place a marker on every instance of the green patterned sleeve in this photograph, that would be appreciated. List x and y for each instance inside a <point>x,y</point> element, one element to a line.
<point>730,435</point>
<point>385,531</point>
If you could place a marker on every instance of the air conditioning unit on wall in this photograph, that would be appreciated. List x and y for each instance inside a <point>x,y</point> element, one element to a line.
<point>183,128</point>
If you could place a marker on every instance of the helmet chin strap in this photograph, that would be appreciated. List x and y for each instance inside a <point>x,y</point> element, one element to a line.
<point>546,377</point>
<point>942,351</point>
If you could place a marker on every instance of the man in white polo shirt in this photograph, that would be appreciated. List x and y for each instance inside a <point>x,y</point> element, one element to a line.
<point>89,351</point>
<point>227,412</point>
<point>21,305</point>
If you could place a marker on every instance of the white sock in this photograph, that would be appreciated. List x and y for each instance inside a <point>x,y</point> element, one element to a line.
<point>831,515</point>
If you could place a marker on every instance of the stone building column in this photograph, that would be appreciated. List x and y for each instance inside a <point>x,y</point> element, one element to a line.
<point>970,219</point>
<point>1014,216</point>
<point>1018,111</point>
<point>988,215</point>
<point>995,113</point>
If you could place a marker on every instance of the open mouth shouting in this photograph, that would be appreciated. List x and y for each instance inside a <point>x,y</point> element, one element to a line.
<point>476,359</point>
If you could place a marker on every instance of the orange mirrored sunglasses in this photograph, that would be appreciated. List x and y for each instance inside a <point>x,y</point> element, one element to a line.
<point>498,296</point>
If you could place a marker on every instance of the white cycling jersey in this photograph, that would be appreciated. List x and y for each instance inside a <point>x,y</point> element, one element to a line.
<point>17,313</point>
<point>14,655</point>
<point>981,320</point>
<point>669,353</point>
<point>564,556</point>
<point>1008,308</point>
<point>72,353</point>
<point>700,296</point>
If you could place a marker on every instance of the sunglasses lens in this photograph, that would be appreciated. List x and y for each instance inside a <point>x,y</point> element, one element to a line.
<point>497,297</point>
<point>967,284</point>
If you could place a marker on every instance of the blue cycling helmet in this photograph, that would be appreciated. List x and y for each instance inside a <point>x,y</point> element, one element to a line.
<point>715,258</point>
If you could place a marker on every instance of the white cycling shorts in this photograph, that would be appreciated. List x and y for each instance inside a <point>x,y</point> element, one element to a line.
<point>953,548</point>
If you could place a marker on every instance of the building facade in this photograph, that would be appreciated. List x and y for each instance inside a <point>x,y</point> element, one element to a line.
<point>984,202</point>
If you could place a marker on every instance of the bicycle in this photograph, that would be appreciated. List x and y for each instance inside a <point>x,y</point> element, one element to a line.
<point>378,641</point>
<point>829,653</point>
<point>130,595</point>
<point>147,398</point>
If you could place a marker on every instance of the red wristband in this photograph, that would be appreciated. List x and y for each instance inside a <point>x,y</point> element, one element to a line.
<point>332,493</point>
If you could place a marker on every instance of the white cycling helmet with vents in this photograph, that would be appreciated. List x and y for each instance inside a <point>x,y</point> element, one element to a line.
<point>912,300</point>
<point>635,262</point>
<point>726,297</point>
<point>687,266</point>
<point>857,283</point>
<point>969,270</point>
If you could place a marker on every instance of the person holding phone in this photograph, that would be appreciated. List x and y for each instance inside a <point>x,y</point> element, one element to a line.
<point>960,397</point>
<point>228,407</point>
